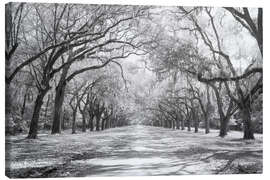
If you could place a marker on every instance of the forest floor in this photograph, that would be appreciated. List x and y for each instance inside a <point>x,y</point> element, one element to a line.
<point>130,151</point>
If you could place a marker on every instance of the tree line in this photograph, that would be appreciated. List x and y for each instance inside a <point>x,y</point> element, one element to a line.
<point>45,54</point>
<point>204,65</point>
<point>207,62</point>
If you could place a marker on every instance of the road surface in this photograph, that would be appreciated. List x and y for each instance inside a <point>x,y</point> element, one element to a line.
<point>131,151</point>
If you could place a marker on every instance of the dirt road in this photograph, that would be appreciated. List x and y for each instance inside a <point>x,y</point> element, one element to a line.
<point>133,150</point>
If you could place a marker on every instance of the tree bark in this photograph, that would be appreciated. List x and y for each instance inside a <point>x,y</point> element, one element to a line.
<point>8,102</point>
<point>74,122</point>
<point>167,124</point>
<point>34,121</point>
<point>107,122</point>
<point>91,115</point>
<point>83,123</point>
<point>83,111</point>
<point>248,125</point>
<point>102,124</point>
<point>91,123</point>
<point>98,122</point>
<point>207,124</point>
<point>196,123</point>
<point>47,105</point>
<point>177,122</point>
<point>182,124</point>
<point>207,112</point>
<point>111,123</point>
<point>189,124</point>
<point>224,121</point>
<point>196,126</point>
<point>63,121</point>
<point>59,99</point>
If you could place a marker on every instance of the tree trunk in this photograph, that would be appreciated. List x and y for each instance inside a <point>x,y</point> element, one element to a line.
<point>111,123</point>
<point>165,124</point>
<point>91,123</point>
<point>74,122</point>
<point>83,112</point>
<point>23,105</point>
<point>224,120</point>
<point>223,126</point>
<point>182,124</point>
<point>207,124</point>
<point>168,124</point>
<point>91,119</point>
<point>8,38</point>
<point>47,105</point>
<point>58,103</point>
<point>107,122</point>
<point>207,112</point>
<point>196,123</point>
<point>188,124</point>
<point>177,123</point>
<point>63,121</point>
<point>102,124</point>
<point>248,125</point>
<point>8,102</point>
<point>98,122</point>
<point>34,121</point>
<point>83,123</point>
